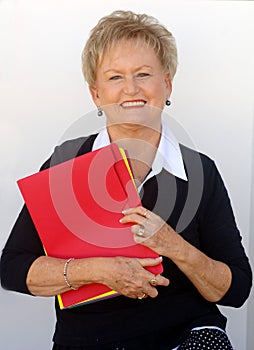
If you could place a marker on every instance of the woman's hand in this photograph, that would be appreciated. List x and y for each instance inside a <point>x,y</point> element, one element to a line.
<point>212,278</point>
<point>151,230</point>
<point>129,277</point>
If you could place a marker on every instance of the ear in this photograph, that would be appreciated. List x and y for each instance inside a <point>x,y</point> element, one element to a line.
<point>168,83</point>
<point>95,95</point>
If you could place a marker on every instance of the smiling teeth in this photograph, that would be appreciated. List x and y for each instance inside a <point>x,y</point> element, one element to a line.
<point>133,104</point>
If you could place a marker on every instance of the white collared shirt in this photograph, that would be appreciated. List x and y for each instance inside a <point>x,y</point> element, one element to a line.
<point>168,155</point>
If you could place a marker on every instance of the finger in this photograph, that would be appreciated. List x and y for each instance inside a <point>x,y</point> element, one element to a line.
<point>133,217</point>
<point>161,280</point>
<point>152,292</point>
<point>150,261</point>
<point>140,231</point>
<point>157,280</point>
<point>138,210</point>
<point>140,239</point>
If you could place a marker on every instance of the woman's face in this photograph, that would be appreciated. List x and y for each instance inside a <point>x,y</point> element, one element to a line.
<point>131,78</point>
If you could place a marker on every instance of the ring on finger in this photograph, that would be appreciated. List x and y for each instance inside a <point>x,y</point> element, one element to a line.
<point>153,282</point>
<point>145,213</point>
<point>141,231</point>
<point>143,296</point>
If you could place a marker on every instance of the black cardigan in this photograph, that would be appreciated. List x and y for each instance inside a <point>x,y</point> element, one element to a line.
<point>200,211</point>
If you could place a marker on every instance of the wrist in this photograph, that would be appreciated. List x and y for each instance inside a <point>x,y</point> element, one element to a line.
<point>87,271</point>
<point>65,276</point>
<point>175,249</point>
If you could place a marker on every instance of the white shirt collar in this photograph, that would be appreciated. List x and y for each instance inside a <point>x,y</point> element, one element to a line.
<point>101,140</point>
<point>168,155</point>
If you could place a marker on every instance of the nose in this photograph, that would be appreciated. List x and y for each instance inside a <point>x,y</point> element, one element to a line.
<point>130,86</point>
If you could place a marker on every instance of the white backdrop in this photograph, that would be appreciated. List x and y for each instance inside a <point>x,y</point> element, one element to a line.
<point>42,93</point>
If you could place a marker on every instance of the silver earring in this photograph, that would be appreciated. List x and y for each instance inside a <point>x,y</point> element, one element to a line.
<point>99,112</point>
<point>168,103</point>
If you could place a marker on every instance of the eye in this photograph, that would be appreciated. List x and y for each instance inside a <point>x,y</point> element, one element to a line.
<point>143,75</point>
<point>115,77</point>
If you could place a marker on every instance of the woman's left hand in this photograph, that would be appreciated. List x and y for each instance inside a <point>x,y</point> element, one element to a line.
<point>150,229</point>
<point>212,278</point>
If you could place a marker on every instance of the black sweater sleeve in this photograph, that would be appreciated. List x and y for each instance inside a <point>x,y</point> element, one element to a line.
<point>221,239</point>
<point>23,246</point>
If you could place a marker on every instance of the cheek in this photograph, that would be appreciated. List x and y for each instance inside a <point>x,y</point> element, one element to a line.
<point>108,95</point>
<point>159,95</point>
<point>159,90</point>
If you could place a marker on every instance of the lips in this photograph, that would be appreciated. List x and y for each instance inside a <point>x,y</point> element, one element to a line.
<point>130,104</point>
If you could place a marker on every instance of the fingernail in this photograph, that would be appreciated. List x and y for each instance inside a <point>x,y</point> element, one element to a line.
<point>125,211</point>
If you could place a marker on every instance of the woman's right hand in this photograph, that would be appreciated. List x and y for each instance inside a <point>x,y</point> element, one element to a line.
<point>126,276</point>
<point>129,277</point>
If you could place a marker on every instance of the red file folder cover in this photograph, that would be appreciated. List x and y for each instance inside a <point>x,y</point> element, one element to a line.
<point>76,207</point>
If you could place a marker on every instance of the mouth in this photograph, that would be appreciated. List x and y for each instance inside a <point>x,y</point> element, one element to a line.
<point>133,104</point>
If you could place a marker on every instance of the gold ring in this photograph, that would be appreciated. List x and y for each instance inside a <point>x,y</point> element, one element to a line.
<point>143,296</point>
<point>145,213</point>
<point>153,282</point>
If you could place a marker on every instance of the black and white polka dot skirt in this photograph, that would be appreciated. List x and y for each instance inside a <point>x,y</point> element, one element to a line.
<point>206,339</point>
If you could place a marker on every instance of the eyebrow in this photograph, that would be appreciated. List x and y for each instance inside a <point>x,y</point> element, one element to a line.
<point>111,70</point>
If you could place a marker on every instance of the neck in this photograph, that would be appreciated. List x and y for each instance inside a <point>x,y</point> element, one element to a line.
<point>131,132</point>
<point>141,144</point>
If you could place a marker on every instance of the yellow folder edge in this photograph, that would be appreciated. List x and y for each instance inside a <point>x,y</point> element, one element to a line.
<point>87,301</point>
<point>123,154</point>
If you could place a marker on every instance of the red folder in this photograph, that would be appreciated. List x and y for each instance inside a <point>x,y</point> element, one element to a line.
<point>76,207</point>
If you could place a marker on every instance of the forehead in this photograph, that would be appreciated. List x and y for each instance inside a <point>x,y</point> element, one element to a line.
<point>126,50</point>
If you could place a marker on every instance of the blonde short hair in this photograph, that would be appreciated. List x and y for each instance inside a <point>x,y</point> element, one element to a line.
<point>126,25</point>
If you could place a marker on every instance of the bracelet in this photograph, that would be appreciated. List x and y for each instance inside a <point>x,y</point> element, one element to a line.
<point>65,274</point>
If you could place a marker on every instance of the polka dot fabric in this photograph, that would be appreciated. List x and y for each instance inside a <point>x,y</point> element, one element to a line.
<point>209,339</point>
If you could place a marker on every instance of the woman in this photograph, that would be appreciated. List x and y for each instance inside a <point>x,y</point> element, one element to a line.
<point>129,62</point>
